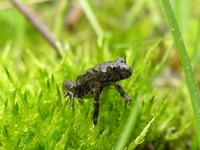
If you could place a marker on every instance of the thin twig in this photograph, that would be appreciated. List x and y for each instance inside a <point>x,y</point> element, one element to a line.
<point>37,24</point>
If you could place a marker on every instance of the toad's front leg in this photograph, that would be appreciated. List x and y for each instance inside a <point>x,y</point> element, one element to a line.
<point>71,95</point>
<point>96,91</point>
<point>122,92</point>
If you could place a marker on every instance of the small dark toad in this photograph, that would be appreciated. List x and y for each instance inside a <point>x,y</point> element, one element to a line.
<point>91,83</point>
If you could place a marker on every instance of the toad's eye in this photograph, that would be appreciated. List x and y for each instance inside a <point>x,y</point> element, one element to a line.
<point>121,60</point>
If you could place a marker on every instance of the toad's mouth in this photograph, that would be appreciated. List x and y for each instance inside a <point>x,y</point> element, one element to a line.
<point>125,71</point>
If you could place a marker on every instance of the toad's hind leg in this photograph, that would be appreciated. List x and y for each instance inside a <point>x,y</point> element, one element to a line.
<point>96,92</point>
<point>122,92</point>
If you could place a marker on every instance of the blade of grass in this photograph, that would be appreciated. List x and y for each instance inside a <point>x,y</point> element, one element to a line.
<point>189,75</point>
<point>91,17</point>
<point>129,126</point>
<point>142,135</point>
<point>133,12</point>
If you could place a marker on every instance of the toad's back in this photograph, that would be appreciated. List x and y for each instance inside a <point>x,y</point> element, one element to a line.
<point>97,73</point>
<point>105,73</point>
